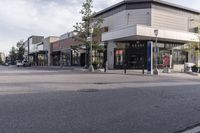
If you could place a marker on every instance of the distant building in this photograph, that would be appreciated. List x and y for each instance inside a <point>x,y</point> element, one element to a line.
<point>44,50</point>
<point>38,50</point>
<point>31,48</point>
<point>63,53</point>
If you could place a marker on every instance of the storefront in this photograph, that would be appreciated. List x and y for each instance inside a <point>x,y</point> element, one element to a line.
<point>133,54</point>
<point>56,58</point>
<point>66,52</point>
<point>66,58</point>
<point>42,58</point>
<point>130,54</point>
<point>33,59</point>
<point>142,21</point>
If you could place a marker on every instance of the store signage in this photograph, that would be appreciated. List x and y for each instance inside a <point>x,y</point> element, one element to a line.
<point>159,45</point>
<point>166,61</point>
<point>150,57</point>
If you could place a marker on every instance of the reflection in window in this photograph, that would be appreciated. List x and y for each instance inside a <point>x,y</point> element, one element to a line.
<point>179,57</point>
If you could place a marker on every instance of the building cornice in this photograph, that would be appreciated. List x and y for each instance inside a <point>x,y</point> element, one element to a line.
<point>158,2</point>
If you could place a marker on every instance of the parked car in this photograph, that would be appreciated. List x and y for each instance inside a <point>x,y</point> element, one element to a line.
<point>5,64</point>
<point>23,64</point>
<point>19,64</point>
<point>26,64</point>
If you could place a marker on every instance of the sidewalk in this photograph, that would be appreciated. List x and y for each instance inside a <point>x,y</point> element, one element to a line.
<point>173,74</point>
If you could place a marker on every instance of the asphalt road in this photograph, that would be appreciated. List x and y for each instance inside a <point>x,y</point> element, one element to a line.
<point>67,102</point>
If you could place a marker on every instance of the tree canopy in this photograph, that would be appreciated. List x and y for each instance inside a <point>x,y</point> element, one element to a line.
<point>20,50</point>
<point>17,53</point>
<point>88,21</point>
<point>13,55</point>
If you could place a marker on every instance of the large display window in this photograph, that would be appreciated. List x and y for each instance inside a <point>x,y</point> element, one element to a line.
<point>179,57</point>
<point>119,58</point>
<point>75,58</point>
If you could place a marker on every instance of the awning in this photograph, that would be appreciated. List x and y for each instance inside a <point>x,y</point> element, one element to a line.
<point>142,32</point>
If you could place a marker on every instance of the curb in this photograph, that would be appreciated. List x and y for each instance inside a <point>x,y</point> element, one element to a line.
<point>193,73</point>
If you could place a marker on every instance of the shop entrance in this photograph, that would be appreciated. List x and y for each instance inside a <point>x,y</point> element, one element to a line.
<point>132,56</point>
<point>135,56</point>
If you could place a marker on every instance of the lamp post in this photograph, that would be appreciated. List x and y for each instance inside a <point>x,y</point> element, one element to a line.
<point>156,53</point>
<point>91,68</point>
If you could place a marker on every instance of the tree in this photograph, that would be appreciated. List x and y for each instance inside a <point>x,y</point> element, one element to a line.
<point>1,62</point>
<point>88,21</point>
<point>13,55</point>
<point>192,47</point>
<point>20,50</point>
<point>17,53</point>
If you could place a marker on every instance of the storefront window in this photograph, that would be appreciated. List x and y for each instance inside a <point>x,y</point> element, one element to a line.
<point>179,57</point>
<point>119,57</point>
<point>98,58</point>
<point>75,57</point>
<point>66,61</point>
<point>56,59</point>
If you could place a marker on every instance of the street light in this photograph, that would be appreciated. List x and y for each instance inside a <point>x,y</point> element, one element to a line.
<point>91,68</point>
<point>156,53</point>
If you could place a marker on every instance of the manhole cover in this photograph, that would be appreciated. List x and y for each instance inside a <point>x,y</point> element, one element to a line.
<point>88,90</point>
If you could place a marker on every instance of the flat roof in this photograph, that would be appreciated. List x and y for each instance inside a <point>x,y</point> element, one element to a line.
<point>161,2</point>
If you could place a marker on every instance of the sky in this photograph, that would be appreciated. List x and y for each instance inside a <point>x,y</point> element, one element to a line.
<point>20,19</point>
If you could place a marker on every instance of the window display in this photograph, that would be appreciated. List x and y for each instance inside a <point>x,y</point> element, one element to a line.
<point>119,57</point>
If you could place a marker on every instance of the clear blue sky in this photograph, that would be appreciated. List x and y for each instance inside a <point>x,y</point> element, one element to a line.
<point>22,18</point>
